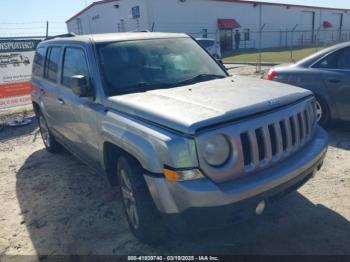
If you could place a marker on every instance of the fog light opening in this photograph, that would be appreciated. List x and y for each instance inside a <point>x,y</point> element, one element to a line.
<point>260,207</point>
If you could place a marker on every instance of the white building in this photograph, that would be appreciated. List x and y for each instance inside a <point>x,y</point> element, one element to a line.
<point>282,25</point>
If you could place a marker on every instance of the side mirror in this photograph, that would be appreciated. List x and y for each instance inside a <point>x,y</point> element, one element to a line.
<point>79,85</point>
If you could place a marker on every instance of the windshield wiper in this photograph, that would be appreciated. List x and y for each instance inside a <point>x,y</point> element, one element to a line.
<point>142,86</point>
<point>146,86</point>
<point>200,78</point>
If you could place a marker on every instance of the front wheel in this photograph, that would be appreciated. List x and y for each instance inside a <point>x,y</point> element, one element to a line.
<point>322,112</point>
<point>142,215</point>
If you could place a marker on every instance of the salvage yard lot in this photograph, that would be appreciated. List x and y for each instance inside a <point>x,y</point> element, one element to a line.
<point>54,204</point>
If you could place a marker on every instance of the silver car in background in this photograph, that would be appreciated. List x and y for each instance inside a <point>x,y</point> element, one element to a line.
<point>211,45</point>
<point>325,73</point>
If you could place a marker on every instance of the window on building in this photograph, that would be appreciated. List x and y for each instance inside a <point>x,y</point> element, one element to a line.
<point>246,34</point>
<point>52,62</point>
<point>74,63</point>
<point>38,62</point>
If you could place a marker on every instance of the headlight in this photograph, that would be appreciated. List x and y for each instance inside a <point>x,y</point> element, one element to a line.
<point>216,150</point>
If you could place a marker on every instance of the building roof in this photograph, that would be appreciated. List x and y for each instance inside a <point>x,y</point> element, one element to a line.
<point>117,37</point>
<point>281,4</point>
<point>90,6</point>
<point>230,1</point>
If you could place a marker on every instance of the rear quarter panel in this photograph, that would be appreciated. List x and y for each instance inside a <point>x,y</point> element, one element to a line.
<point>307,78</point>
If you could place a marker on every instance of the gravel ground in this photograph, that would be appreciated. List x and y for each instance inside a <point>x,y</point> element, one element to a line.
<point>54,204</point>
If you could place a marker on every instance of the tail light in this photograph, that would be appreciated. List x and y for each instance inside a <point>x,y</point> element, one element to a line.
<point>271,74</point>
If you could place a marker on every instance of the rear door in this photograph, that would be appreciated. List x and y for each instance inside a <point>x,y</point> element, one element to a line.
<point>45,82</point>
<point>335,70</point>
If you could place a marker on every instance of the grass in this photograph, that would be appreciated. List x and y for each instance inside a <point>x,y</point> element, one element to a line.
<point>268,55</point>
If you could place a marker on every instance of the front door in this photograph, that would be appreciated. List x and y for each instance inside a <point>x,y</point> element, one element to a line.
<point>79,116</point>
<point>226,39</point>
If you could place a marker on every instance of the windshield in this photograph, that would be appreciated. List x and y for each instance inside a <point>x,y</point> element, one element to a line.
<point>143,65</point>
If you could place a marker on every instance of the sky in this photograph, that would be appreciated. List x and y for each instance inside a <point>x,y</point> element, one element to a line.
<point>28,17</point>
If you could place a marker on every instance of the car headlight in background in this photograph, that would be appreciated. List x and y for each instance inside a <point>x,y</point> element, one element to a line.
<point>216,150</point>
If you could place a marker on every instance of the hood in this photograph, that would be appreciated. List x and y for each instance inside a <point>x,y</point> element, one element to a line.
<point>188,108</point>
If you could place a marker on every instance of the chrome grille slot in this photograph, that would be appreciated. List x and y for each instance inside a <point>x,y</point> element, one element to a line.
<point>273,138</point>
<point>293,131</point>
<point>307,119</point>
<point>246,148</point>
<point>261,143</point>
<point>301,127</point>
<point>284,135</point>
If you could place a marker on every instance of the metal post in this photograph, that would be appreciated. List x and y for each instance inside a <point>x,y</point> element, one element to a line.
<point>47,29</point>
<point>318,37</point>
<point>291,42</point>
<point>260,37</point>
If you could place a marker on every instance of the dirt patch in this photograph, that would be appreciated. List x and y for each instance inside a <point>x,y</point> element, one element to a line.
<point>54,204</point>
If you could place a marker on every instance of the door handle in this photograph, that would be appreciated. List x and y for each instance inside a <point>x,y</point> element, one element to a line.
<point>334,81</point>
<point>60,101</point>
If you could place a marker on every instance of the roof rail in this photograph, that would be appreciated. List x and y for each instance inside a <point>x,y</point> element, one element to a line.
<point>57,36</point>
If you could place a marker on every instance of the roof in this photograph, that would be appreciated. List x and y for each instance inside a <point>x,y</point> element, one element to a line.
<point>116,37</point>
<point>230,1</point>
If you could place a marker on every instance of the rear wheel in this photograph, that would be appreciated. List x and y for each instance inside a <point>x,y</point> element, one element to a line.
<point>322,112</point>
<point>142,215</point>
<point>49,140</point>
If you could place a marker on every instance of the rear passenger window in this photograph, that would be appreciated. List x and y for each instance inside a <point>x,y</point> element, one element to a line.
<point>52,61</point>
<point>74,63</point>
<point>38,63</point>
<point>337,60</point>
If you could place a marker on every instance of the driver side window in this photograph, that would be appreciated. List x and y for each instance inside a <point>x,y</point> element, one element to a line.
<point>74,63</point>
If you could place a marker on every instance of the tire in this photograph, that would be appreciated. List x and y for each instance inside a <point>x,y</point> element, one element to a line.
<point>322,112</point>
<point>48,138</point>
<point>142,215</point>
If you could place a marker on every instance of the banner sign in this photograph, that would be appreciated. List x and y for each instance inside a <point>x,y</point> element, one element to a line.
<point>16,60</point>
<point>135,12</point>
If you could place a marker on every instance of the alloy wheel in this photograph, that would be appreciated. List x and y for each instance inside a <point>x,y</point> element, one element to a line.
<point>319,111</point>
<point>129,199</point>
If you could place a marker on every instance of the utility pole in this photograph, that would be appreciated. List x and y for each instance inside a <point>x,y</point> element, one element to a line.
<point>291,43</point>
<point>260,36</point>
<point>47,29</point>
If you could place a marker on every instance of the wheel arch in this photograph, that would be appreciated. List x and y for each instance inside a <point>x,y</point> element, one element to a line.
<point>111,153</point>
<point>36,108</point>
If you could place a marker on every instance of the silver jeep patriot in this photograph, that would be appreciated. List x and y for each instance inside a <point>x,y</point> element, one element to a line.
<point>186,142</point>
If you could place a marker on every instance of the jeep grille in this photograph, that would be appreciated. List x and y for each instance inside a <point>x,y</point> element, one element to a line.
<point>263,140</point>
<point>278,139</point>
